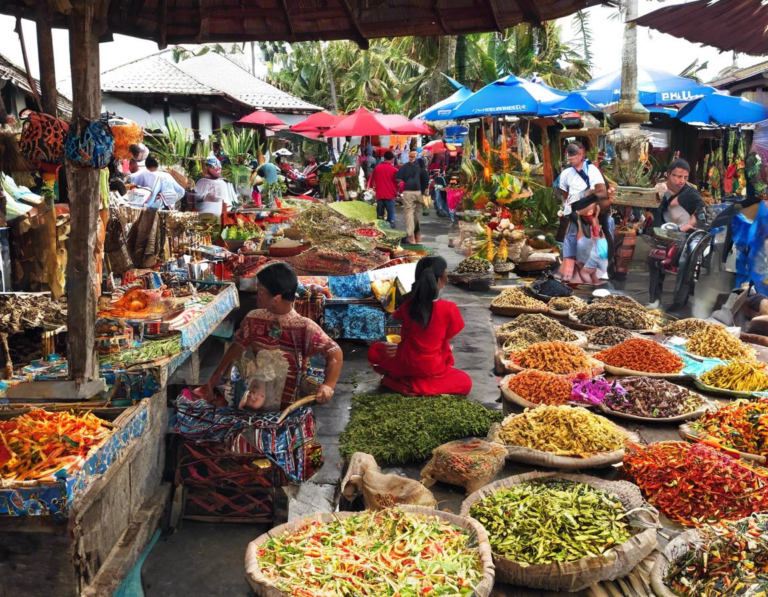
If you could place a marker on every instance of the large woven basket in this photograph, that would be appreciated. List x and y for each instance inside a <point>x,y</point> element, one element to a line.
<point>707,405</point>
<point>676,548</point>
<point>263,587</point>
<point>720,391</point>
<point>578,575</point>
<point>510,397</point>
<point>564,463</point>
<point>622,372</point>
<point>690,434</point>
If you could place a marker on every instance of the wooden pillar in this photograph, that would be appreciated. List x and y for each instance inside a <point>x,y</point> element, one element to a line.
<point>196,120</point>
<point>46,61</point>
<point>546,155</point>
<point>83,197</point>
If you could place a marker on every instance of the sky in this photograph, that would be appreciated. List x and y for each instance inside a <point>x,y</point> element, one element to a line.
<point>655,50</point>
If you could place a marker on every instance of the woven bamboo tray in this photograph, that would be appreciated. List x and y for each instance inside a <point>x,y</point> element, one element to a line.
<point>510,396</point>
<point>706,406</point>
<point>676,548</point>
<point>690,434</point>
<point>721,392</point>
<point>515,311</point>
<point>622,372</point>
<point>576,576</point>
<point>597,369</point>
<point>261,586</point>
<point>566,463</point>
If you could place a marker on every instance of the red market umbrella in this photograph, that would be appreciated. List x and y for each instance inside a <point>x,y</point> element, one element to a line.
<point>361,123</point>
<point>261,118</point>
<point>319,121</point>
<point>413,127</point>
<point>439,146</point>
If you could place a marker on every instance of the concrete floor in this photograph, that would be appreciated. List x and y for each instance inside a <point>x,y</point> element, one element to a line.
<point>207,559</point>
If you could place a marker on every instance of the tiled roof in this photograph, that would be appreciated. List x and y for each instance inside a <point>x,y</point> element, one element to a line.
<point>18,76</point>
<point>209,74</point>
<point>740,74</point>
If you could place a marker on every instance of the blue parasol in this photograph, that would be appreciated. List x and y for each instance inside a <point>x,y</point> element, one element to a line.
<point>509,95</point>
<point>655,87</point>
<point>443,110</point>
<point>724,110</point>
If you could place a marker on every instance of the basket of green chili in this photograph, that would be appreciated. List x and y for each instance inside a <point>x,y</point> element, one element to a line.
<point>409,551</point>
<point>563,532</point>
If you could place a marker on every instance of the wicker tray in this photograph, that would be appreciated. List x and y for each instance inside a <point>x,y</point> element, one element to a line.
<point>721,392</point>
<point>676,548</point>
<point>533,457</point>
<point>480,281</point>
<point>694,414</point>
<point>574,576</point>
<point>621,372</point>
<point>510,396</point>
<point>690,434</point>
<point>597,369</point>
<point>515,311</point>
<point>261,586</point>
<point>537,266</point>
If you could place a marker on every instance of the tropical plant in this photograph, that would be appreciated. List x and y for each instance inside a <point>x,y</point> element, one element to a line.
<point>580,26</point>
<point>171,144</point>
<point>180,53</point>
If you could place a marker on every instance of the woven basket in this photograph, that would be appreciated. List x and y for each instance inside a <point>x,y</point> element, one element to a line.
<point>578,575</point>
<point>537,266</point>
<point>597,369</point>
<point>565,463</point>
<point>261,586</point>
<point>510,396</point>
<point>694,414</point>
<point>721,392</point>
<point>515,311</point>
<point>690,434</point>
<point>676,548</point>
<point>621,372</point>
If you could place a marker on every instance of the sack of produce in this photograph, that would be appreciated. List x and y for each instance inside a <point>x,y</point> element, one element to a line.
<point>563,532</point>
<point>713,560</point>
<point>562,437</point>
<point>456,549</point>
<point>379,491</point>
<point>469,464</point>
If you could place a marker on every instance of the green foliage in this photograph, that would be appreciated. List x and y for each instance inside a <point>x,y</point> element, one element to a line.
<point>397,429</point>
<point>180,53</point>
<point>172,144</point>
<point>542,208</point>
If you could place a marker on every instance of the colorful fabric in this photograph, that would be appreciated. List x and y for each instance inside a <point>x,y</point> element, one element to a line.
<point>354,286</point>
<point>751,240</point>
<point>42,138</point>
<point>354,322</point>
<point>90,147</point>
<point>297,337</point>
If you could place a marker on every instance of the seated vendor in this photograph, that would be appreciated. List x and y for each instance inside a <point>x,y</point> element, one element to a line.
<point>422,363</point>
<point>277,343</point>
<point>746,309</point>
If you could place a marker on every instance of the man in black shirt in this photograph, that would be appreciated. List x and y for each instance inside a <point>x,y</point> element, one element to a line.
<point>410,175</point>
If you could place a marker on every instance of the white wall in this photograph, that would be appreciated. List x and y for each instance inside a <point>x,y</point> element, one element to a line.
<point>126,110</point>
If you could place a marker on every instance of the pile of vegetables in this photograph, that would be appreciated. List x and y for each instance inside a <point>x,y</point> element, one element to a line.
<point>639,354</point>
<point>717,343</point>
<point>686,328</point>
<point>738,376</point>
<point>554,357</point>
<point>243,231</point>
<point>37,444</point>
<point>517,297</point>
<point>149,350</point>
<point>376,554</point>
<point>616,315</point>
<point>730,558</point>
<point>555,521</point>
<point>541,387</point>
<point>653,398</point>
<point>693,484</point>
<point>397,429</point>
<point>741,425</point>
<point>562,431</point>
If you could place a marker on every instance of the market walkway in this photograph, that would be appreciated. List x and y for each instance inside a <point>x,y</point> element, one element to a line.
<point>203,560</point>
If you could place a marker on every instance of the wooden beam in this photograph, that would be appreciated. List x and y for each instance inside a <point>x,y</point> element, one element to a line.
<point>495,15</point>
<point>84,196</point>
<point>531,12</point>
<point>358,36</point>
<point>163,26</point>
<point>440,19</point>
<point>30,79</point>
<point>46,61</point>
<point>288,20</point>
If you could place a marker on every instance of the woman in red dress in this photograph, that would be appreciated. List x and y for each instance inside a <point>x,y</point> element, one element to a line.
<point>422,363</point>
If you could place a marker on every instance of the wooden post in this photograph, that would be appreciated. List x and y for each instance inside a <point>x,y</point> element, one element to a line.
<point>84,197</point>
<point>46,61</point>
<point>546,155</point>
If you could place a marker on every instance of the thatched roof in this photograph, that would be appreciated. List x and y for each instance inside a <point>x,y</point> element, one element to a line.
<point>200,21</point>
<point>18,77</point>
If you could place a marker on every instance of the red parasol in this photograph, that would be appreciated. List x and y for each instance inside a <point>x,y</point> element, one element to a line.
<point>413,127</point>
<point>361,123</point>
<point>262,118</point>
<point>440,146</point>
<point>319,121</point>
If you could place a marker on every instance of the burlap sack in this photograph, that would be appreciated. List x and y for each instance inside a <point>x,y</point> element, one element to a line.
<point>676,548</point>
<point>262,587</point>
<point>564,463</point>
<point>578,575</point>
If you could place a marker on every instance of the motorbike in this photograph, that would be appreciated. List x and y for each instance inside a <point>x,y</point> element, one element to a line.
<point>683,254</point>
<point>301,182</point>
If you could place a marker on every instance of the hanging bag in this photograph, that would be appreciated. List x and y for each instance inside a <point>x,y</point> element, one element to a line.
<point>90,145</point>
<point>42,138</point>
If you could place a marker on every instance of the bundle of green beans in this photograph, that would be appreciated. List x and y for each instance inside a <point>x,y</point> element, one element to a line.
<point>556,521</point>
<point>148,351</point>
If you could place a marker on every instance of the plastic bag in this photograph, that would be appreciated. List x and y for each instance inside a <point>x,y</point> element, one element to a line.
<point>263,380</point>
<point>382,491</point>
<point>469,464</point>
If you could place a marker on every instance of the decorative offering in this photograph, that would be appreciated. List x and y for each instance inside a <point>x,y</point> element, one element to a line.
<point>639,354</point>
<point>693,484</point>
<point>554,357</point>
<point>716,343</point>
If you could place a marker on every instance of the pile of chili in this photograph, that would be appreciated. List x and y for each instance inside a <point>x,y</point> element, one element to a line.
<point>639,354</point>
<point>694,484</point>
<point>741,425</point>
<point>541,387</point>
<point>555,357</point>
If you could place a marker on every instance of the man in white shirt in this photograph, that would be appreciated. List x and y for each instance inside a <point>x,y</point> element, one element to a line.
<point>166,192</point>
<point>213,192</point>
<point>581,185</point>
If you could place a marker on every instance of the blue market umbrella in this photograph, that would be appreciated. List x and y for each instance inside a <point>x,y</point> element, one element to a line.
<point>655,87</point>
<point>443,110</point>
<point>575,102</point>
<point>509,95</point>
<point>724,110</point>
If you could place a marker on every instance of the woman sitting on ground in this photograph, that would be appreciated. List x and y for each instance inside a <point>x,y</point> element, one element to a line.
<point>422,363</point>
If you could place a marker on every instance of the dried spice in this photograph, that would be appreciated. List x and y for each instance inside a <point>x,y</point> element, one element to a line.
<point>741,425</point>
<point>566,303</point>
<point>546,327</point>
<point>608,336</point>
<point>562,431</point>
<point>693,484</point>
<point>517,297</point>
<point>541,387</point>
<point>744,376</point>
<point>520,339</point>
<point>601,314</point>
<point>473,266</point>
<point>686,328</point>
<point>547,285</point>
<point>619,300</point>
<point>373,553</point>
<point>639,354</point>
<point>730,558</point>
<point>556,521</point>
<point>555,357</point>
<point>653,398</point>
<point>717,343</point>
<point>19,312</point>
